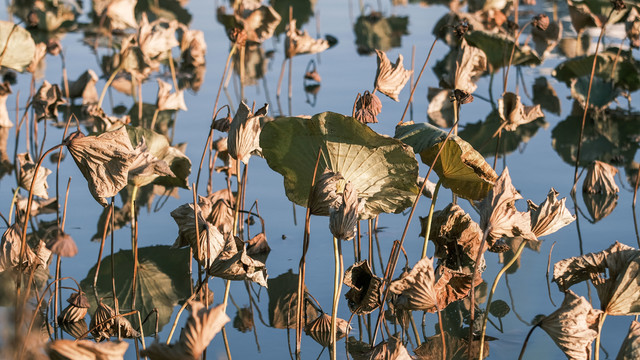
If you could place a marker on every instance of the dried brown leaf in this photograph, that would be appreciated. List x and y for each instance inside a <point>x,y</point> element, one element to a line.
<point>27,171</point>
<point>209,242</point>
<point>84,87</point>
<point>365,293</point>
<point>233,263</point>
<point>10,250</point>
<point>630,348</point>
<point>344,219</point>
<point>514,114</point>
<point>600,179</point>
<point>368,106</point>
<point>146,167</point>
<point>104,160</point>
<point>168,100</point>
<point>63,245</point>
<point>86,349</point>
<point>550,216</point>
<point>201,327</point>
<point>5,120</point>
<point>156,39</point>
<point>300,42</point>
<point>320,329</point>
<point>573,326</point>
<point>390,78</point>
<point>244,132</point>
<point>46,101</point>
<point>324,193</point>
<point>260,24</point>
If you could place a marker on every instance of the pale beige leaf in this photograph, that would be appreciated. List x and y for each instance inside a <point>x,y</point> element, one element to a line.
<point>168,100</point>
<point>300,42</point>
<point>390,78</point>
<point>158,38</point>
<point>121,14</point>
<point>63,245</point>
<point>344,219</point>
<point>233,263</point>
<point>470,64</point>
<point>84,87</point>
<point>217,208</point>
<point>320,329</point>
<point>201,327</point>
<point>38,56</point>
<point>499,215</point>
<point>27,172</point>
<point>10,250</point>
<point>573,326</point>
<point>600,179</point>
<point>209,242</point>
<point>261,23</point>
<point>146,167</point>
<point>194,48</point>
<point>104,160</point>
<point>393,349</point>
<point>514,114</point>
<point>46,101</point>
<point>630,349</point>
<point>86,349</point>
<point>324,193</point>
<point>550,216</point>
<point>5,120</point>
<point>244,132</point>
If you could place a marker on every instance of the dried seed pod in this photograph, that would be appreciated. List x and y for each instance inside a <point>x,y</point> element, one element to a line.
<point>72,314</point>
<point>368,106</point>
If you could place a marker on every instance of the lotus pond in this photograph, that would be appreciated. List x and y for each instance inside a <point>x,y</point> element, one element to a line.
<point>304,130</point>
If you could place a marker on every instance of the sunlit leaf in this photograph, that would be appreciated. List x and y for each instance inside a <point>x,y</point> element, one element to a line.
<point>86,349</point>
<point>17,46</point>
<point>630,348</point>
<point>390,78</point>
<point>600,179</point>
<point>550,216</point>
<point>319,329</point>
<point>29,178</point>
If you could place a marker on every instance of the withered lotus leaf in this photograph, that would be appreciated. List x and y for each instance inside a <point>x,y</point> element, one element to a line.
<point>10,250</point>
<point>457,348</point>
<point>27,171</point>
<point>344,219</point>
<point>600,206</point>
<point>573,326</point>
<point>84,87</point>
<point>46,101</point>
<point>17,44</point>
<point>168,100</point>
<point>630,348</point>
<point>217,208</point>
<point>121,14</point>
<point>551,216</point>
<point>514,114</point>
<point>104,160</point>
<point>76,329</point>
<point>456,236</point>
<point>71,314</point>
<point>233,263</point>
<point>86,350</point>
<point>156,39</point>
<point>390,78</point>
<point>244,132</point>
<point>5,120</point>
<point>146,167</point>
<point>104,326</point>
<point>619,292</point>
<point>460,167</point>
<point>364,296</point>
<point>260,24</point>
<point>600,179</point>
<point>471,63</point>
<point>368,106</point>
<point>283,300</point>
<point>499,214</point>
<point>320,329</point>
<point>324,193</point>
<point>428,290</point>
<point>258,248</point>
<point>207,245</point>
<point>194,48</point>
<point>392,349</point>
<point>300,42</point>
<point>38,55</point>
<point>201,327</point>
<point>63,245</point>
<point>382,169</point>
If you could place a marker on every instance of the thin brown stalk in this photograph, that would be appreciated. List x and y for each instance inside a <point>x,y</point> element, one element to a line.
<point>104,322</point>
<point>413,88</point>
<point>104,236</point>
<point>586,105</point>
<point>64,218</point>
<point>472,294</point>
<point>633,206</point>
<point>548,268</point>
<point>526,340</point>
<point>513,50</point>
<point>226,67</point>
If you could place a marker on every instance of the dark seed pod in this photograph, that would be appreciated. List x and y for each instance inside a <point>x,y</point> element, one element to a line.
<point>71,314</point>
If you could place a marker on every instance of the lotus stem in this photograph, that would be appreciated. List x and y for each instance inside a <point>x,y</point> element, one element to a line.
<point>526,341</point>
<point>153,119</point>
<point>444,343</point>
<point>134,244</point>
<point>184,305</point>
<point>596,352</point>
<point>506,267</point>
<point>413,88</point>
<point>226,67</point>
<point>64,135</point>
<point>415,330</point>
<point>337,282</point>
<point>226,343</point>
<point>144,347</point>
<point>13,201</point>
<point>172,67</point>
<point>472,294</point>
<point>106,85</point>
<point>58,259</point>
<point>633,206</point>
<point>586,104</point>
<point>113,271</point>
<point>227,290</point>
<point>434,197</point>
<point>513,50</point>
<point>242,53</point>
<point>549,268</point>
<point>104,236</point>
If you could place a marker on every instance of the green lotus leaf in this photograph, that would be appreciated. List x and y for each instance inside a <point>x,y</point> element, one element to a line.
<point>460,167</point>
<point>625,76</point>
<point>159,146</point>
<point>382,169</point>
<point>498,49</point>
<point>163,281</point>
<point>16,45</point>
<point>603,92</point>
<point>602,8</point>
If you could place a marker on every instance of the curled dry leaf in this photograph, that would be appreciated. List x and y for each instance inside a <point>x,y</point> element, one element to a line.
<point>257,247</point>
<point>168,100</point>
<point>300,42</point>
<point>146,167</point>
<point>217,208</point>
<point>76,310</point>
<point>457,348</point>
<point>324,194</point>
<point>498,213</point>
<point>105,325</point>
<point>244,132</point>
<point>38,56</point>
<point>630,348</point>
<point>260,24</point>
<point>600,179</point>
<point>86,350</point>
<point>428,290</point>
<point>233,263</point>
<point>551,216</point>
<point>104,160</point>
<point>193,47</point>
<point>514,114</point>
<point>320,329</point>
<point>10,250</point>
<point>573,326</point>
<point>63,245</point>
<point>344,219</point>
<point>27,172</point>
<point>390,78</point>
<point>84,87</point>
<point>393,349</point>
<point>365,293</point>
<point>368,106</point>
<point>470,64</point>
<point>46,101</point>
<point>615,273</point>
<point>5,120</point>
<point>158,38</point>
<point>456,236</point>
<point>209,242</point>
<point>121,14</point>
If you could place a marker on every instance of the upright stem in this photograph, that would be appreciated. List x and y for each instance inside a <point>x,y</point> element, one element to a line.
<point>337,282</point>
<point>526,340</point>
<point>430,218</point>
<point>596,351</point>
<point>134,244</point>
<point>413,88</point>
<point>513,49</point>
<point>506,267</point>
<point>106,86</point>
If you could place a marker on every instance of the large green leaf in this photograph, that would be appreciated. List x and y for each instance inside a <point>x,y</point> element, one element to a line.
<point>498,49</point>
<point>626,75</point>
<point>16,45</point>
<point>382,169</point>
<point>460,167</point>
<point>159,146</point>
<point>163,281</point>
